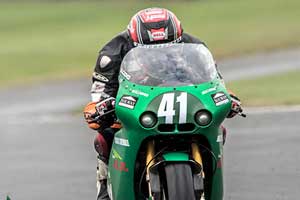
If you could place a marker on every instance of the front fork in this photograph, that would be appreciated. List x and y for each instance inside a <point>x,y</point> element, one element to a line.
<point>197,157</point>
<point>150,161</point>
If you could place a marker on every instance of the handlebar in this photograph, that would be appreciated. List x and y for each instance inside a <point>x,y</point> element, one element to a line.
<point>97,117</point>
<point>240,112</point>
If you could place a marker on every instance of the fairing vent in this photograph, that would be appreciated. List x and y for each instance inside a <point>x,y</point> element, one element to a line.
<point>186,127</point>
<point>180,127</point>
<point>166,127</point>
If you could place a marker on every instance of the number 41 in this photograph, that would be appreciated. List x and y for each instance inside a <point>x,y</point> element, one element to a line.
<point>166,107</point>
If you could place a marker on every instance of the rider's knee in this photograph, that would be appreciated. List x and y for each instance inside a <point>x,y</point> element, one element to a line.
<point>101,147</point>
<point>103,142</point>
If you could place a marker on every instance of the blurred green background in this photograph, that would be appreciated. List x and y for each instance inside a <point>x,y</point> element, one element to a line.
<point>60,39</point>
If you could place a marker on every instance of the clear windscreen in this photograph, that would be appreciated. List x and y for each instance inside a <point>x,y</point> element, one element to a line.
<point>169,65</point>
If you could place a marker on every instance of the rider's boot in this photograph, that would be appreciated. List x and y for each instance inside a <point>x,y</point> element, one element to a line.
<point>102,193</point>
<point>101,148</point>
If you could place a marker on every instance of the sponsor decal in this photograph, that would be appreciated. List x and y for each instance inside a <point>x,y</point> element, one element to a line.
<point>120,166</point>
<point>158,35</point>
<point>124,73</point>
<point>116,155</point>
<point>209,90</point>
<point>138,92</point>
<point>220,138</point>
<point>121,141</point>
<point>105,60</point>
<point>220,98</point>
<point>128,101</point>
<point>100,77</point>
<point>154,15</point>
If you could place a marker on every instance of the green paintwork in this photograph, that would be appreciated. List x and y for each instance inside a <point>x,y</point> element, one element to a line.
<point>199,96</point>
<point>176,156</point>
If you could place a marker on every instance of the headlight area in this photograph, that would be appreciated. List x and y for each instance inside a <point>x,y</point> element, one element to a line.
<point>203,117</point>
<point>148,119</point>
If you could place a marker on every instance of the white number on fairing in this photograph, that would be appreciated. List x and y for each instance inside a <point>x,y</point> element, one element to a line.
<point>182,100</point>
<point>166,107</point>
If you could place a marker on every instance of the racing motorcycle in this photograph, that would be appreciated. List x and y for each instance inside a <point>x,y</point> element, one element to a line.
<point>171,103</point>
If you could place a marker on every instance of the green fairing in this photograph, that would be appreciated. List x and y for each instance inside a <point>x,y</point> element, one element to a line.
<point>176,156</point>
<point>135,133</point>
<point>122,167</point>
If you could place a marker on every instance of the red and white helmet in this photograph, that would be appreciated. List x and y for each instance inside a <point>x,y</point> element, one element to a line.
<point>154,25</point>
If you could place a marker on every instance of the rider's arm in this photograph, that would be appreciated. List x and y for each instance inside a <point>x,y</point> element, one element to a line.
<point>106,71</point>
<point>105,78</point>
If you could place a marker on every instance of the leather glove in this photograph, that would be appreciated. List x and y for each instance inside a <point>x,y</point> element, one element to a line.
<point>89,114</point>
<point>106,105</point>
<point>100,114</point>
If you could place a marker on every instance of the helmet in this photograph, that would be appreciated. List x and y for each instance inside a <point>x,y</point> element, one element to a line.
<point>153,26</point>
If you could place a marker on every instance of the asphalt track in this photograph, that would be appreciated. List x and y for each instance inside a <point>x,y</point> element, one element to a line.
<point>46,150</point>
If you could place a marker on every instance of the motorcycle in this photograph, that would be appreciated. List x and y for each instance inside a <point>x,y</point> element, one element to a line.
<point>171,103</point>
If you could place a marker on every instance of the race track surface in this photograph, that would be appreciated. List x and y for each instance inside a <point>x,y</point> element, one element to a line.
<point>262,157</point>
<point>46,151</point>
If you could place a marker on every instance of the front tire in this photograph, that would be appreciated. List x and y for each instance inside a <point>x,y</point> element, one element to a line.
<point>179,179</point>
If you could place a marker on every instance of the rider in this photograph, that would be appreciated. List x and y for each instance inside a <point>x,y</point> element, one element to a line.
<point>148,26</point>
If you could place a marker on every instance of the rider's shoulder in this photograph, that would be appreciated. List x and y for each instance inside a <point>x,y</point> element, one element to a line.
<point>119,44</point>
<point>188,38</point>
<point>122,37</point>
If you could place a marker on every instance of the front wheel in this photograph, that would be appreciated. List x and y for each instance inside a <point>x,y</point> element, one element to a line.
<point>179,182</point>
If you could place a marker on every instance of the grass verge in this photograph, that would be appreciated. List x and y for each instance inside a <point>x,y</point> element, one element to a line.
<point>269,91</point>
<point>61,39</point>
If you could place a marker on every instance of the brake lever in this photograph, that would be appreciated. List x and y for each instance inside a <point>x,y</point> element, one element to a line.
<point>95,119</point>
<point>242,114</point>
<point>98,117</point>
<point>108,112</point>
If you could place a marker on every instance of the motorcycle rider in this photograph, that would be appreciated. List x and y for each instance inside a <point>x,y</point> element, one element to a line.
<point>148,26</point>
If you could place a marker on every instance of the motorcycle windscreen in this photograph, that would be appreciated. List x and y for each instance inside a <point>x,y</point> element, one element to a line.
<point>169,65</point>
